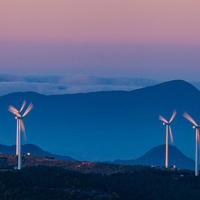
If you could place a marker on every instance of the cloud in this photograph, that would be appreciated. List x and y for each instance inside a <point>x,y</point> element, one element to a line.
<point>68,84</point>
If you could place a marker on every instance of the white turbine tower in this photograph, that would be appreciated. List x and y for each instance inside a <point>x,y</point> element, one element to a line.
<point>20,126</point>
<point>196,126</point>
<point>168,128</point>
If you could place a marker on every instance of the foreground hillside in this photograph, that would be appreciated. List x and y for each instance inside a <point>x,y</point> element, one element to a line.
<point>50,183</point>
<point>49,179</point>
<point>8,162</point>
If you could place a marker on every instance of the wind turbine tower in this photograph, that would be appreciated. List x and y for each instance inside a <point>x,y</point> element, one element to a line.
<point>20,127</point>
<point>196,127</point>
<point>168,130</point>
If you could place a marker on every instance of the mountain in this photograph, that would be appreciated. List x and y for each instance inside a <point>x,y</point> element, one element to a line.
<point>156,157</point>
<point>33,150</point>
<point>103,126</point>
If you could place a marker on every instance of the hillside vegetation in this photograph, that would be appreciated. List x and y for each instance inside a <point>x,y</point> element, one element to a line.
<point>50,183</point>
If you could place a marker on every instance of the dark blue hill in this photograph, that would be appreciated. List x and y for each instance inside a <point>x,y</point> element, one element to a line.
<point>105,125</point>
<point>156,157</point>
<point>33,150</point>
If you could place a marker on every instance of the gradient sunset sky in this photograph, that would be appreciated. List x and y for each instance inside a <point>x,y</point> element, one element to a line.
<point>142,38</point>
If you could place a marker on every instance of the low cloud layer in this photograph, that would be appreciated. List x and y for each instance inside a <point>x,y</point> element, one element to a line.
<point>68,84</point>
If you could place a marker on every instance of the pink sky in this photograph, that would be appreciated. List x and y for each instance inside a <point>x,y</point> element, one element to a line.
<point>143,38</point>
<point>113,21</point>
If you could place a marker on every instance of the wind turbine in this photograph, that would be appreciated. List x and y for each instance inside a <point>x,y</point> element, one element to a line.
<point>20,127</point>
<point>168,128</point>
<point>196,126</point>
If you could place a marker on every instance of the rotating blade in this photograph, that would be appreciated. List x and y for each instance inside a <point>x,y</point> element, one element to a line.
<point>24,103</point>
<point>171,136</point>
<point>189,118</point>
<point>14,111</point>
<point>172,117</point>
<point>163,119</point>
<point>23,129</point>
<point>28,110</point>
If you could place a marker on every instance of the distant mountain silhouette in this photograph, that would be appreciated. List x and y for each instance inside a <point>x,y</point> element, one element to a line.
<point>156,157</point>
<point>33,150</point>
<point>103,126</point>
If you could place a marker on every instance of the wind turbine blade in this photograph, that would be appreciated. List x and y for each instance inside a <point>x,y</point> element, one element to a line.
<point>28,110</point>
<point>22,125</point>
<point>163,119</point>
<point>172,117</point>
<point>23,129</point>
<point>24,103</point>
<point>171,136</point>
<point>13,110</point>
<point>189,118</point>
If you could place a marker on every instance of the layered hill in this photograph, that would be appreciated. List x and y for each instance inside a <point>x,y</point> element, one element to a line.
<point>33,150</point>
<point>105,125</point>
<point>156,157</point>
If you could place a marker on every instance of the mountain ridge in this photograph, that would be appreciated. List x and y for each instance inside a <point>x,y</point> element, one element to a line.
<point>85,125</point>
<point>167,83</point>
